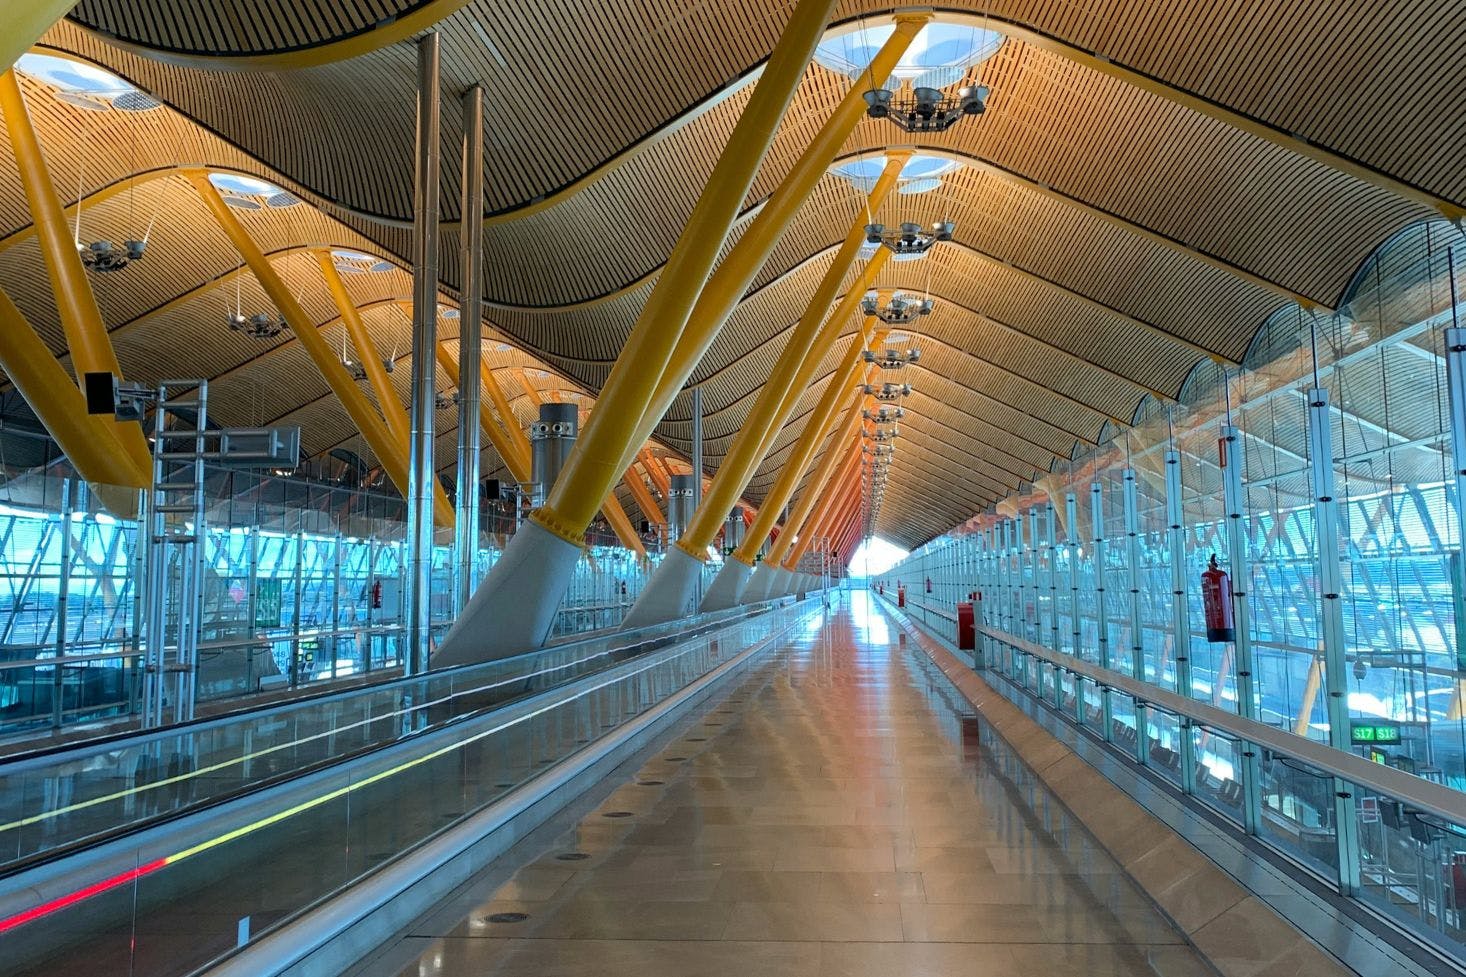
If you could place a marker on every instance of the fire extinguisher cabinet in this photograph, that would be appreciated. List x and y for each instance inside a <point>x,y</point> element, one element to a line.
<point>900,596</point>
<point>966,627</point>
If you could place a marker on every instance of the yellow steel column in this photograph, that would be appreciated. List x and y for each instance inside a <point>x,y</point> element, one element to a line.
<point>602,453</point>
<point>88,442</point>
<point>389,453</point>
<point>801,356</point>
<point>510,423</point>
<point>621,525</point>
<point>833,523</point>
<point>530,390</point>
<point>728,286</point>
<point>834,456</point>
<point>815,429</point>
<point>86,334</point>
<point>656,472</point>
<point>827,490</point>
<point>388,403</point>
<point>22,22</point>
<point>643,497</point>
<point>514,455</point>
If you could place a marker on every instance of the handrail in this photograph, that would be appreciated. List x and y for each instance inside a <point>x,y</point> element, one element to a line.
<point>21,762</point>
<point>1423,795</point>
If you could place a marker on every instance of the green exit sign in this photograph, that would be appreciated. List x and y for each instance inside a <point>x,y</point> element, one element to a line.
<point>1376,733</point>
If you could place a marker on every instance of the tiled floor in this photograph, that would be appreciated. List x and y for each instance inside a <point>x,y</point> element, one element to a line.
<point>831,817</point>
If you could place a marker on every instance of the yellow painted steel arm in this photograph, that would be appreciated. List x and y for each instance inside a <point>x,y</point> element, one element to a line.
<point>800,357</point>
<point>643,497</point>
<point>514,459</point>
<point>728,286</point>
<point>620,522</point>
<point>815,428</point>
<point>609,440</point>
<point>834,524</point>
<point>1311,686</point>
<point>390,405</point>
<point>372,427</point>
<point>656,472</point>
<point>530,390</point>
<point>512,428</point>
<point>834,457</point>
<point>828,492</point>
<point>87,440</point>
<point>86,334</point>
<point>22,22</point>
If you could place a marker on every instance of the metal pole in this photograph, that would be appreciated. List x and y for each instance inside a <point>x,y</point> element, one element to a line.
<point>1180,616</point>
<point>1331,615</point>
<point>63,589</point>
<point>1235,504</point>
<point>1456,388</point>
<point>1071,514</point>
<point>470,348</point>
<point>1101,618</point>
<point>1132,566</point>
<point>420,475</point>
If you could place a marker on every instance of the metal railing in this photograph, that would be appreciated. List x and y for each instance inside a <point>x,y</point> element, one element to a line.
<point>1403,853</point>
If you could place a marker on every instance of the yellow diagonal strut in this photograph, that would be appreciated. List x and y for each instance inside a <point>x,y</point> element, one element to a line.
<point>372,427</point>
<point>800,357</point>
<point>86,335</point>
<point>670,336</point>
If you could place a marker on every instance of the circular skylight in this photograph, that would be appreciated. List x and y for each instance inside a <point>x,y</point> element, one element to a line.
<point>940,54</point>
<point>447,311</point>
<point>250,193</point>
<point>84,85</point>
<point>358,262</point>
<point>919,175</point>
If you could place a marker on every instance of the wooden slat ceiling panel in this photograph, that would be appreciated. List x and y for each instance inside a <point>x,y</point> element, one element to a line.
<point>238,26</point>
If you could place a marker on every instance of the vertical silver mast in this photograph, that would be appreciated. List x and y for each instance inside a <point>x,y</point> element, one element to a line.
<point>470,347</point>
<point>424,362</point>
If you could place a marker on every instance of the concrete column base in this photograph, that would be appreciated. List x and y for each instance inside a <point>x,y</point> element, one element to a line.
<point>514,608</point>
<point>727,587</point>
<point>758,585</point>
<point>670,594</point>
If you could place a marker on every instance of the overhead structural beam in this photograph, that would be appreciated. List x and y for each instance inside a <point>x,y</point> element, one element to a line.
<point>86,335</point>
<point>643,497</point>
<point>389,454</point>
<point>88,442</point>
<point>514,454</point>
<point>731,282</point>
<point>388,403</point>
<point>621,525</point>
<point>22,23</point>
<point>827,490</point>
<point>470,348</point>
<point>672,589</point>
<point>847,432</point>
<point>514,609</point>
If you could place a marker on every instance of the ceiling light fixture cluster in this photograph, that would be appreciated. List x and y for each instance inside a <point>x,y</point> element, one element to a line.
<point>909,239</point>
<point>891,359</point>
<point>898,310</point>
<point>261,325</point>
<point>104,257</point>
<point>888,393</point>
<point>923,109</point>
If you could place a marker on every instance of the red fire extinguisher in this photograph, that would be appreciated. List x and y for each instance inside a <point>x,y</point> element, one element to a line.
<point>1216,602</point>
<point>376,595</point>
<point>928,584</point>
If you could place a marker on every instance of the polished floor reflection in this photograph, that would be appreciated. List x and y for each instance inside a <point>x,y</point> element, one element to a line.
<point>834,815</point>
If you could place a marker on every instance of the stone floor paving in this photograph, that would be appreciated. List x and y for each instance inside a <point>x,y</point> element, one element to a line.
<point>831,816</point>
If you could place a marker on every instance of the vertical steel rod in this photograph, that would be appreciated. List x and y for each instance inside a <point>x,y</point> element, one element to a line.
<point>1241,572</point>
<point>1331,627</point>
<point>424,361</point>
<point>470,348</point>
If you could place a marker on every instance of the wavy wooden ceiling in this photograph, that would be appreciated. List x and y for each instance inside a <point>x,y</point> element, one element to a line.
<point>1109,233</point>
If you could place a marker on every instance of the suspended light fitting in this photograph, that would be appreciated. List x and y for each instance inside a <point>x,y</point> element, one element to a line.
<point>910,238</point>
<point>899,310</point>
<point>891,359</point>
<point>888,392</point>
<point>885,415</point>
<point>261,325</point>
<point>883,435</point>
<point>925,109</point>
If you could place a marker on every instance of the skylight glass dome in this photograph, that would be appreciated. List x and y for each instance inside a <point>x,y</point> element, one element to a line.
<point>84,85</point>
<point>920,174</point>
<point>250,193</point>
<point>939,56</point>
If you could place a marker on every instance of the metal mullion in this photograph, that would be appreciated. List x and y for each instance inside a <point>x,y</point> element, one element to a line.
<point>1102,624</point>
<point>1180,617</point>
<point>1241,574</point>
<point>1331,614</point>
